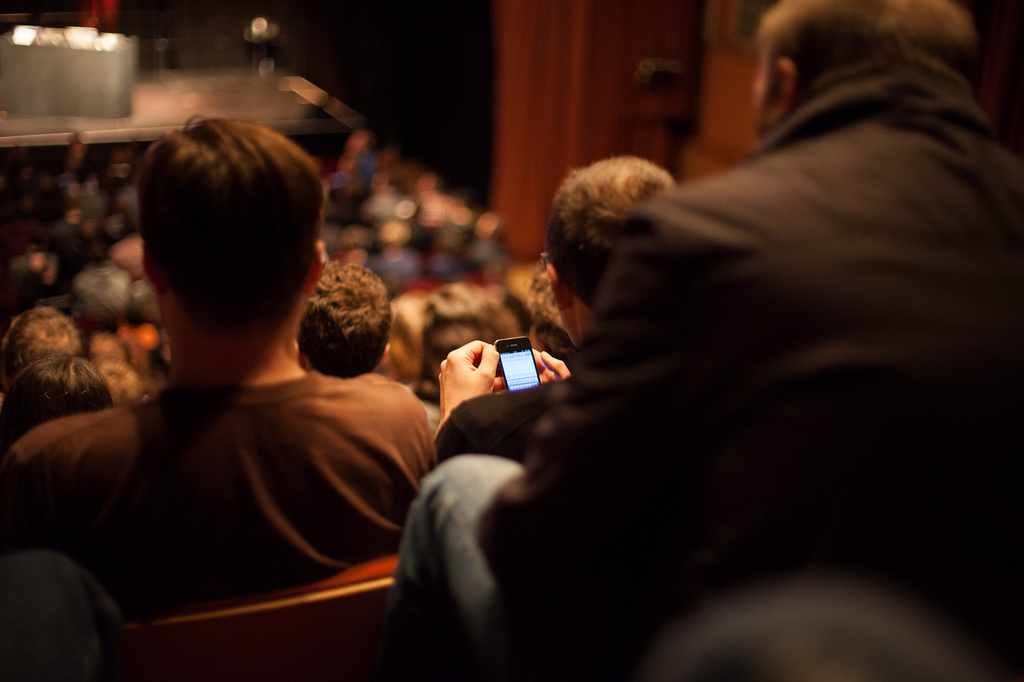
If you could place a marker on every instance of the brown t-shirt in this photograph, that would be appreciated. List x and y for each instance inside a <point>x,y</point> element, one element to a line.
<point>199,493</point>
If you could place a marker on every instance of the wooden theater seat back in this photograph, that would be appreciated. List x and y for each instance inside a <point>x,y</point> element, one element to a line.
<point>329,630</point>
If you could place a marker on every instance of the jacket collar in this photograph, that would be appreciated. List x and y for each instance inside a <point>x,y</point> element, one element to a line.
<point>911,98</point>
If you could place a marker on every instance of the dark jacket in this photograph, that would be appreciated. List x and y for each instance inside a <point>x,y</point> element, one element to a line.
<point>494,424</point>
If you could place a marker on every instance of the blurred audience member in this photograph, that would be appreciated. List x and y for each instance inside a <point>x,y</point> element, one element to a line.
<point>454,315</point>
<point>58,623</point>
<point>396,263</point>
<point>33,335</point>
<point>112,358</point>
<point>35,273</point>
<point>55,386</point>
<point>126,253</point>
<point>106,345</point>
<point>125,382</point>
<point>815,628</point>
<point>103,291</point>
<point>403,361</point>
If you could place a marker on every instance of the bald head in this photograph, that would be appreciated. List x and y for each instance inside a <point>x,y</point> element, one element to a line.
<point>828,40</point>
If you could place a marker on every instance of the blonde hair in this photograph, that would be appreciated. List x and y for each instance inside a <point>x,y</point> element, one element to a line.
<point>405,354</point>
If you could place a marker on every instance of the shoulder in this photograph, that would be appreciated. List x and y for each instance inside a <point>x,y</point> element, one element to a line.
<point>367,391</point>
<point>56,462</point>
<point>371,403</point>
<point>74,433</point>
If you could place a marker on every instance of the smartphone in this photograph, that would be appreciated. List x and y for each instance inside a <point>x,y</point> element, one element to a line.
<point>517,364</point>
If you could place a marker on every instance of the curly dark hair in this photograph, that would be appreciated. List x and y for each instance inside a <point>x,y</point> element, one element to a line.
<point>347,321</point>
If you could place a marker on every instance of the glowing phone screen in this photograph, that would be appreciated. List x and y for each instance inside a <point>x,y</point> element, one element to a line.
<point>520,370</point>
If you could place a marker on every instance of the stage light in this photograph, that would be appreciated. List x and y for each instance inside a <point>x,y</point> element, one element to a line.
<point>259,28</point>
<point>25,35</point>
<point>80,37</point>
<point>108,41</point>
<point>53,37</point>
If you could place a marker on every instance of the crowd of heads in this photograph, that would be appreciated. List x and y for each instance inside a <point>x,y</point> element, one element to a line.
<point>411,271</point>
<point>230,265</point>
<point>46,374</point>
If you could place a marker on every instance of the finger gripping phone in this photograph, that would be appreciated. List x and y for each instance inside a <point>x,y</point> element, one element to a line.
<point>517,364</point>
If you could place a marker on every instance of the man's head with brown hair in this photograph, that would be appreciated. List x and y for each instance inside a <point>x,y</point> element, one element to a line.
<point>825,41</point>
<point>35,334</point>
<point>230,212</point>
<point>347,321</point>
<point>590,210</point>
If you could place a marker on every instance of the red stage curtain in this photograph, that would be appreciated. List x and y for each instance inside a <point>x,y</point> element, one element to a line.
<point>540,62</point>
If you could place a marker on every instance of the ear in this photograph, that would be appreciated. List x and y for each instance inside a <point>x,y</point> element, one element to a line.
<point>787,80</point>
<point>563,294</point>
<point>154,273</point>
<point>316,269</point>
<point>776,91</point>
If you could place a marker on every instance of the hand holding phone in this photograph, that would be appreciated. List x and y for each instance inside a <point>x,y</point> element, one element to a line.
<point>517,363</point>
<point>468,371</point>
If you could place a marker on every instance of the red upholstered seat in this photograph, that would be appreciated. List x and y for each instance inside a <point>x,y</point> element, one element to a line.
<point>329,630</point>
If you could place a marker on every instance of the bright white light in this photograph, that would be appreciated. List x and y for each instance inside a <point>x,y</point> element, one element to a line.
<point>405,209</point>
<point>108,41</point>
<point>25,35</point>
<point>80,37</point>
<point>259,27</point>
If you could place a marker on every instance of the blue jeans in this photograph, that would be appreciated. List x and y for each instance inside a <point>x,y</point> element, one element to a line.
<point>56,622</point>
<point>444,616</point>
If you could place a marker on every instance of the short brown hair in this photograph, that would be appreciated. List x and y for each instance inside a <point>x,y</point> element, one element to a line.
<point>231,211</point>
<point>347,321</point>
<point>36,334</point>
<point>590,210</point>
<point>828,39</point>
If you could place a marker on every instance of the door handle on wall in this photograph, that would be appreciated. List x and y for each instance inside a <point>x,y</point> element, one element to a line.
<point>651,70</point>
